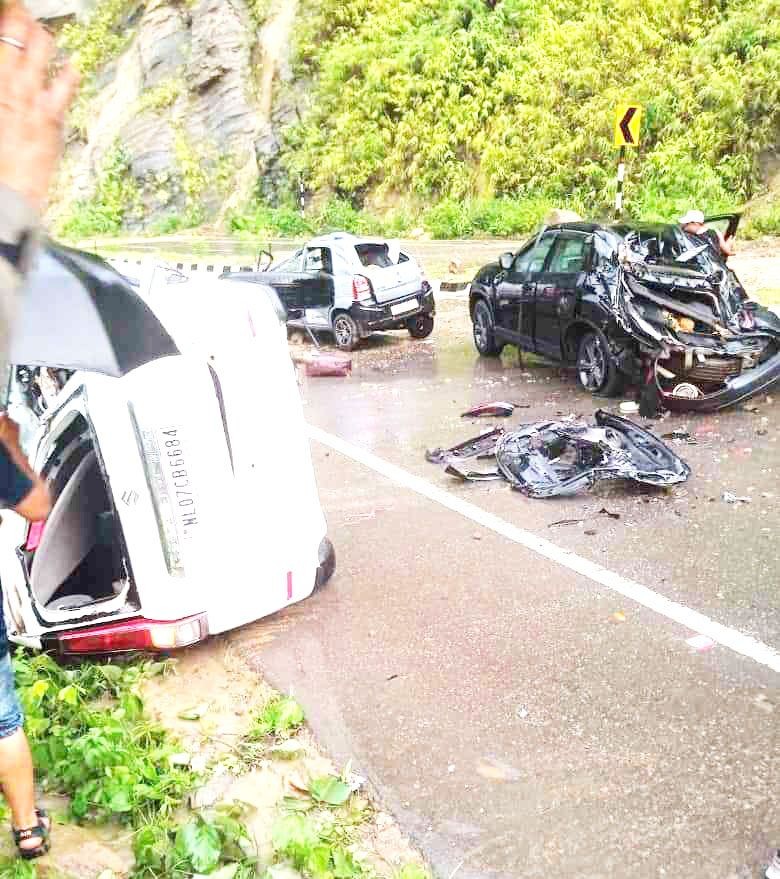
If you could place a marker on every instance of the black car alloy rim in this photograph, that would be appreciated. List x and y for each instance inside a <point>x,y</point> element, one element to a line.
<point>481,329</point>
<point>593,364</point>
<point>343,331</point>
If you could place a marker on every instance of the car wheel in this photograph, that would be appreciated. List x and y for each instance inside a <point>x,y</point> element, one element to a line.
<point>346,332</point>
<point>421,326</point>
<point>484,330</point>
<point>595,369</point>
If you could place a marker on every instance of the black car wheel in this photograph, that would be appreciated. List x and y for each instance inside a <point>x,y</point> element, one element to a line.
<point>484,335</point>
<point>421,326</point>
<point>595,369</point>
<point>346,332</point>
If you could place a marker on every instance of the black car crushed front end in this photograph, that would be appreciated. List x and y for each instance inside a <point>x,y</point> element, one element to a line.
<point>703,345</point>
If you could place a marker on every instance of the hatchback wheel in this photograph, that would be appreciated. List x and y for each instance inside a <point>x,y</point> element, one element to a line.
<point>484,330</point>
<point>421,326</point>
<point>595,369</point>
<point>346,332</point>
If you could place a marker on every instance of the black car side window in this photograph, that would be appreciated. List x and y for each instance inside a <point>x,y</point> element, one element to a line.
<point>532,260</point>
<point>569,256</point>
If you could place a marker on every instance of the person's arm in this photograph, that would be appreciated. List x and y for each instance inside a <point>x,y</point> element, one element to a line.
<point>17,222</point>
<point>727,247</point>
<point>32,117</point>
<point>24,491</point>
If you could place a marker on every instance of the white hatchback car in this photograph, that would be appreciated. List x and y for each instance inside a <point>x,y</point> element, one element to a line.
<point>351,287</point>
<point>178,511</point>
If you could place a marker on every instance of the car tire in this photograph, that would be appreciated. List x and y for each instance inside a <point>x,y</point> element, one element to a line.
<point>421,326</point>
<point>484,330</point>
<point>345,332</point>
<point>596,371</point>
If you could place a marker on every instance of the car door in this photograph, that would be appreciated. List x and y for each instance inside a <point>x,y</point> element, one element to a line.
<point>556,289</point>
<point>319,285</point>
<point>515,292</point>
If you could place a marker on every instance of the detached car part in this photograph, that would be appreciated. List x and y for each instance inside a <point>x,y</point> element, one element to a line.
<point>551,458</point>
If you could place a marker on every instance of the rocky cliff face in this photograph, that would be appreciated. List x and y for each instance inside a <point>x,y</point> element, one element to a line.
<point>179,126</point>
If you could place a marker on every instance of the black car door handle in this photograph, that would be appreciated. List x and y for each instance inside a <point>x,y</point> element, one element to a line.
<point>528,287</point>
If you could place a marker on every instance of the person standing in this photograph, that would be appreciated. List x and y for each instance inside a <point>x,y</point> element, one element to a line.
<point>693,225</point>
<point>32,111</point>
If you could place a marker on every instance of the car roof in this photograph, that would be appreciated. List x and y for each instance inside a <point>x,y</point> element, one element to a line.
<point>620,229</point>
<point>343,239</point>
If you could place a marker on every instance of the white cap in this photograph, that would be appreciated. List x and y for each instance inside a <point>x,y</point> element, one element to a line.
<point>692,217</point>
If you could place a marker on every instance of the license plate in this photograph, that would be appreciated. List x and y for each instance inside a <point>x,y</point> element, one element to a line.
<point>177,474</point>
<point>403,307</point>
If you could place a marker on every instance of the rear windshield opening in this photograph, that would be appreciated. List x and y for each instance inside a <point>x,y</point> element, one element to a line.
<point>79,559</point>
<point>374,255</point>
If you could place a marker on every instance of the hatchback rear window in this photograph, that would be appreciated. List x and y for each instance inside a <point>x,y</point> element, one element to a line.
<point>374,255</point>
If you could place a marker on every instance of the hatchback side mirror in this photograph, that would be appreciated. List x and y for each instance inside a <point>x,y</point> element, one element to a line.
<point>506,260</point>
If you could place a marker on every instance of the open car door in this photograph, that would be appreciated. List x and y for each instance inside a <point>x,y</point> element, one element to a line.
<point>727,224</point>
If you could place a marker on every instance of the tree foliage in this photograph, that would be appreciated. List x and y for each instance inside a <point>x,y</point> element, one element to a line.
<point>462,99</point>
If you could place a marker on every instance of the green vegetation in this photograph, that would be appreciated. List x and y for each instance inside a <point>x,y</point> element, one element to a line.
<point>279,717</point>
<point>494,112</point>
<point>99,39</point>
<point>91,740</point>
<point>116,199</point>
<point>261,219</point>
<point>764,222</point>
<point>191,165</point>
<point>162,96</point>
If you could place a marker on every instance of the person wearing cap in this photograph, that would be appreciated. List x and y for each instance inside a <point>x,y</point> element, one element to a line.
<point>693,225</point>
<point>32,112</point>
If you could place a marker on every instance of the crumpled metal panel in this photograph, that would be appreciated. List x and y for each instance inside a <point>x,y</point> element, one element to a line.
<point>551,458</point>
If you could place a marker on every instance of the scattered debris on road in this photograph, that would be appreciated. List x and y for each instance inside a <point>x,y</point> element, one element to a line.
<point>700,643</point>
<point>680,436</point>
<point>484,444</point>
<point>500,409</point>
<point>731,498</point>
<point>328,364</point>
<point>551,458</point>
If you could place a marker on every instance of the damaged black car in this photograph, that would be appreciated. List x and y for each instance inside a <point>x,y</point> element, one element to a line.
<point>631,304</point>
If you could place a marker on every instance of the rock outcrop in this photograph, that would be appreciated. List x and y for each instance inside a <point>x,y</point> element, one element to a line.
<point>189,103</point>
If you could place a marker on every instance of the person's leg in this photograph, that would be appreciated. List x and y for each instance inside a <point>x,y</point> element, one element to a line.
<point>16,767</point>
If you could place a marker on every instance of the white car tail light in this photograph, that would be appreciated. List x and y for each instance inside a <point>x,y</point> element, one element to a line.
<point>132,635</point>
<point>361,287</point>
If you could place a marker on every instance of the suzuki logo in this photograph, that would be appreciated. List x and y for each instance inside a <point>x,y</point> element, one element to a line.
<point>130,497</point>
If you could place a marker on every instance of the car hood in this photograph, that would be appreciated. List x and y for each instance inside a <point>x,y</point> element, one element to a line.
<point>552,458</point>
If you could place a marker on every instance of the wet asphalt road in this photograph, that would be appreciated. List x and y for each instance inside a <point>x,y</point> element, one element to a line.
<point>519,719</point>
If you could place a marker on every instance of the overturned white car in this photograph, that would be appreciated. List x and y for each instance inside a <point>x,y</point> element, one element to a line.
<point>185,502</point>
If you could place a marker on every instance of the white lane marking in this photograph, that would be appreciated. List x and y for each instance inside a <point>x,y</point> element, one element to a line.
<point>679,613</point>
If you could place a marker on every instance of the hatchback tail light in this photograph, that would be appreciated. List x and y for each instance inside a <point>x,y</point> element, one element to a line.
<point>361,287</point>
<point>132,635</point>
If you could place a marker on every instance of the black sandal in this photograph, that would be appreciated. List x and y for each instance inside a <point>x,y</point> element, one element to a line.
<point>40,832</point>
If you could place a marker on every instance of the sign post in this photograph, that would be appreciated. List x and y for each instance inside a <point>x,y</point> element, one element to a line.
<point>628,120</point>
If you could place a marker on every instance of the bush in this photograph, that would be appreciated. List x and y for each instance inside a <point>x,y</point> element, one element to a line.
<point>116,197</point>
<point>454,100</point>
<point>766,222</point>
